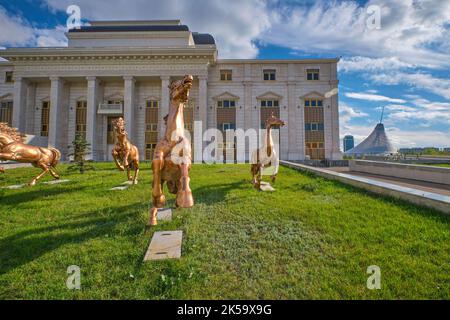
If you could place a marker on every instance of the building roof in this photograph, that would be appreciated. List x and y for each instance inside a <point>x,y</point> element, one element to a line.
<point>376,143</point>
<point>132,28</point>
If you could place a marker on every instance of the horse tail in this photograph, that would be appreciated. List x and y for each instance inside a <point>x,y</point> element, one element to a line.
<point>56,157</point>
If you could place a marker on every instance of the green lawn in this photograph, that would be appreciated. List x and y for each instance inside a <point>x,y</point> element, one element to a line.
<point>445,165</point>
<point>311,239</point>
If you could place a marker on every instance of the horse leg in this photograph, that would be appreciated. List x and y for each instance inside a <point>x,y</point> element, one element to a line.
<point>254,171</point>
<point>158,198</point>
<point>7,156</point>
<point>136,171</point>
<point>45,170</point>
<point>129,173</point>
<point>115,155</point>
<point>276,165</point>
<point>53,173</point>
<point>184,195</point>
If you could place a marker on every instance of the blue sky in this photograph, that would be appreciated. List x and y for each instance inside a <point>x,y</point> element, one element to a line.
<point>404,65</point>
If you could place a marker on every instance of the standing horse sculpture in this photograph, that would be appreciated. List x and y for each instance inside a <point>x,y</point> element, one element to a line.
<point>266,156</point>
<point>172,158</point>
<point>13,148</point>
<point>125,154</point>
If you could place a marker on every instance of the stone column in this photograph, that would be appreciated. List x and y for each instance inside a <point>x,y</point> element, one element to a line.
<point>203,117</point>
<point>91,114</point>
<point>55,126</point>
<point>335,148</point>
<point>295,138</point>
<point>129,106</point>
<point>19,104</point>
<point>248,110</point>
<point>328,128</point>
<point>31,108</point>
<point>164,107</point>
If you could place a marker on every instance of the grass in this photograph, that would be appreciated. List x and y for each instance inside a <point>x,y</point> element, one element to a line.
<point>311,239</point>
<point>445,165</point>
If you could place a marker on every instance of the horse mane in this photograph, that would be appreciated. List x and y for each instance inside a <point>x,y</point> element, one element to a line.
<point>12,132</point>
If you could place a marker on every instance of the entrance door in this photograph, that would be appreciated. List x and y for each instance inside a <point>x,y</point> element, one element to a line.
<point>110,138</point>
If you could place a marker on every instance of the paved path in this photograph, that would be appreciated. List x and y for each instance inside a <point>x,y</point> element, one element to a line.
<point>409,183</point>
<point>7,166</point>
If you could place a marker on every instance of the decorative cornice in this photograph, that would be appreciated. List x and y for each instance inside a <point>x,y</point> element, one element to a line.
<point>226,95</point>
<point>269,95</point>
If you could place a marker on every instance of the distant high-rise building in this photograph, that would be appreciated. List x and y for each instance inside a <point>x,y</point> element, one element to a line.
<point>349,143</point>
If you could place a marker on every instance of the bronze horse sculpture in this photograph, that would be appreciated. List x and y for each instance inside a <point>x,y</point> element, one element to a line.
<point>13,148</point>
<point>172,157</point>
<point>125,154</point>
<point>266,156</point>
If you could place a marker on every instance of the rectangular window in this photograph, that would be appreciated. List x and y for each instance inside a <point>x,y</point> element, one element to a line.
<point>228,126</point>
<point>6,109</point>
<point>151,127</point>
<point>226,104</point>
<point>312,74</point>
<point>80,118</point>
<point>152,104</point>
<point>8,77</point>
<point>270,103</point>
<point>269,74</point>
<point>307,126</point>
<point>45,117</point>
<point>314,102</point>
<point>226,75</point>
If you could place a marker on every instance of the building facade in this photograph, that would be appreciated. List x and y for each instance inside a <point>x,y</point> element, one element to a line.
<point>112,69</point>
<point>349,143</point>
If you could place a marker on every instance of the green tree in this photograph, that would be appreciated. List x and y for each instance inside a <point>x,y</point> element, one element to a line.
<point>79,149</point>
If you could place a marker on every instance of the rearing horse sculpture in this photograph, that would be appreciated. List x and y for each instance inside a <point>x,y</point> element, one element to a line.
<point>266,156</point>
<point>172,157</point>
<point>125,151</point>
<point>13,148</point>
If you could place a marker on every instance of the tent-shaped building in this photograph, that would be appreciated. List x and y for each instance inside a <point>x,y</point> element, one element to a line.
<point>377,143</point>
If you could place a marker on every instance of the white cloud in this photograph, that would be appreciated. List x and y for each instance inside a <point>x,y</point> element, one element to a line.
<point>413,32</point>
<point>347,114</point>
<point>372,97</point>
<point>366,64</point>
<point>423,81</point>
<point>234,24</point>
<point>18,32</point>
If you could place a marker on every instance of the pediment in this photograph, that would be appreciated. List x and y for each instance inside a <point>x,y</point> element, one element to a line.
<point>152,98</point>
<point>47,98</point>
<point>114,96</point>
<point>8,96</point>
<point>226,96</point>
<point>269,95</point>
<point>312,94</point>
<point>82,98</point>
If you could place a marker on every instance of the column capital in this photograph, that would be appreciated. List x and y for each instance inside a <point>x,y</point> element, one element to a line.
<point>202,77</point>
<point>165,78</point>
<point>91,78</point>
<point>129,78</point>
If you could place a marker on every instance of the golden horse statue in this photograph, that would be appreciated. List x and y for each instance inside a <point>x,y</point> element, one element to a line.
<point>13,148</point>
<point>124,151</point>
<point>172,158</point>
<point>266,156</point>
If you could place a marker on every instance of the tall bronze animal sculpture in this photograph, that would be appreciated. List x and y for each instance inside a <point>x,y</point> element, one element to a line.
<point>266,156</point>
<point>172,157</point>
<point>125,154</point>
<point>13,148</point>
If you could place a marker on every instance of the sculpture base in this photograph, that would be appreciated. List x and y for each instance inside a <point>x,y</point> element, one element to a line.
<point>266,187</point>
<point>165,245</point>
<point>164,214</point>
<point>120,188</point>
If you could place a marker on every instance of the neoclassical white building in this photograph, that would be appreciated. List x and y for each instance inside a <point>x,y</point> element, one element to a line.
<point>123,68</point>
